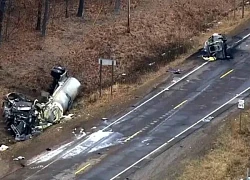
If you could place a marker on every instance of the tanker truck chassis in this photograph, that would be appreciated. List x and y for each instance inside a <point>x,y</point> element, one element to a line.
<point>26,118</point>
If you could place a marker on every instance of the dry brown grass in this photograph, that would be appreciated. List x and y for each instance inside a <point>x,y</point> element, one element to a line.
<point>229,158</point>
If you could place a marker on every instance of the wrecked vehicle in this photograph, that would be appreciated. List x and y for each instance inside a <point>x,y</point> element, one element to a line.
<point>216,48</point>
<point>26,118</point>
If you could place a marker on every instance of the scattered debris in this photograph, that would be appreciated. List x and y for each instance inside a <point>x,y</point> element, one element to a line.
<point>27,118</point>
<point>176,79</point>
<point>3,147</point>
<point>18,158</point>
<point>82,131</point>
<point>67,117</point>
<point>208,119</point>
<point>37,167</point>
<point>59,128</point>
<point>175,71</point>
<point>79,132</point>
<point>151,64</point>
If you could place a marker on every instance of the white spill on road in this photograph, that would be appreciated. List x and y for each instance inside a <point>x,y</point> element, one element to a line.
<point>94,142</point>
<point>46,156</point>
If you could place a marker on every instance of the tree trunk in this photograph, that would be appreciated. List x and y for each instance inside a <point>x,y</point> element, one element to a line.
<point>2,10</point>
<point>117,5</point>
<point>67,9</point>
<point>80,8</point>
<point>45,18</point>
<point>8,20</point>
<point>39,15</point>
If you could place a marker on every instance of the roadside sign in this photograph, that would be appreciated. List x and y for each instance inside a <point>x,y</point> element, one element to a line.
<point>241,104</point>
<point>107,62</point>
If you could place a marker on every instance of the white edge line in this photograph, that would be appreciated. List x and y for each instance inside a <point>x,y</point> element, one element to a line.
<point>157,149</point>
<point>237,42</point>
<point>183,77</point>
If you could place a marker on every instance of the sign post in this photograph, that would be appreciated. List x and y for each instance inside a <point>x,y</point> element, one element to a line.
<point>106,62</point>
<point>100,76</point>
<point>241,105</point>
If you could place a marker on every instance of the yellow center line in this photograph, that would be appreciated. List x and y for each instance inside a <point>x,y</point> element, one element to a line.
<point>226,73</point>
<point>130,137</point>
<point>83,168</point>
<point>180,104</point>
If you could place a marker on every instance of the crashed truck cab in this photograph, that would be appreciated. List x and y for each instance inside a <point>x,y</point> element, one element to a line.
<point>25,117</point>
<point>215,48</point>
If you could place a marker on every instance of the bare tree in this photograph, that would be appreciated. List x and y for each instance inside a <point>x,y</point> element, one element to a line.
<point>8,19</point>
<point>67,9</point>
<point>117,5</point>
<point>39,15</point>
<point>45,17</point>
<point>2,10</point>
<point>80,8</point>
<point>128,28</point>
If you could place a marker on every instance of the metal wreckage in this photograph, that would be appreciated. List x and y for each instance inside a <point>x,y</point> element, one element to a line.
<point>216,48</point>
<point>26,118</point>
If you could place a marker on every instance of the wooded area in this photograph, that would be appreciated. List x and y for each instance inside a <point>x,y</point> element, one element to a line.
<point>43,12</point>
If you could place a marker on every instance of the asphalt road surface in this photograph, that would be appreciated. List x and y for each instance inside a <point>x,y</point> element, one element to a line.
<point>175,109</point>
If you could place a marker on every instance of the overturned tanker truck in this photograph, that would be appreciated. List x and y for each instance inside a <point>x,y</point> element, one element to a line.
<point>26,118</point>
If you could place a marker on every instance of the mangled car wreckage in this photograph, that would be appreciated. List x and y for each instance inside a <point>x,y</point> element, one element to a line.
<point>216,48</point>
<point>26,118</point>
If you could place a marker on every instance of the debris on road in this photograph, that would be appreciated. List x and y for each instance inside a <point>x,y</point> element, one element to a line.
<point>27,118</point>
<point>208,119</point>
<point>3,147</point>
<point>175,71</point>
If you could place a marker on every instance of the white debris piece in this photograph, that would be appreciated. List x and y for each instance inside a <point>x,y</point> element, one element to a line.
<point>67,117</point>
<point>18,158</point>
<point>151,64</point>
<point>208,119</point>
<point>3,147</point>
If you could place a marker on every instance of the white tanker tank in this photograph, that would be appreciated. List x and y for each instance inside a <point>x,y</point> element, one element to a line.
<point>65,88</point>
